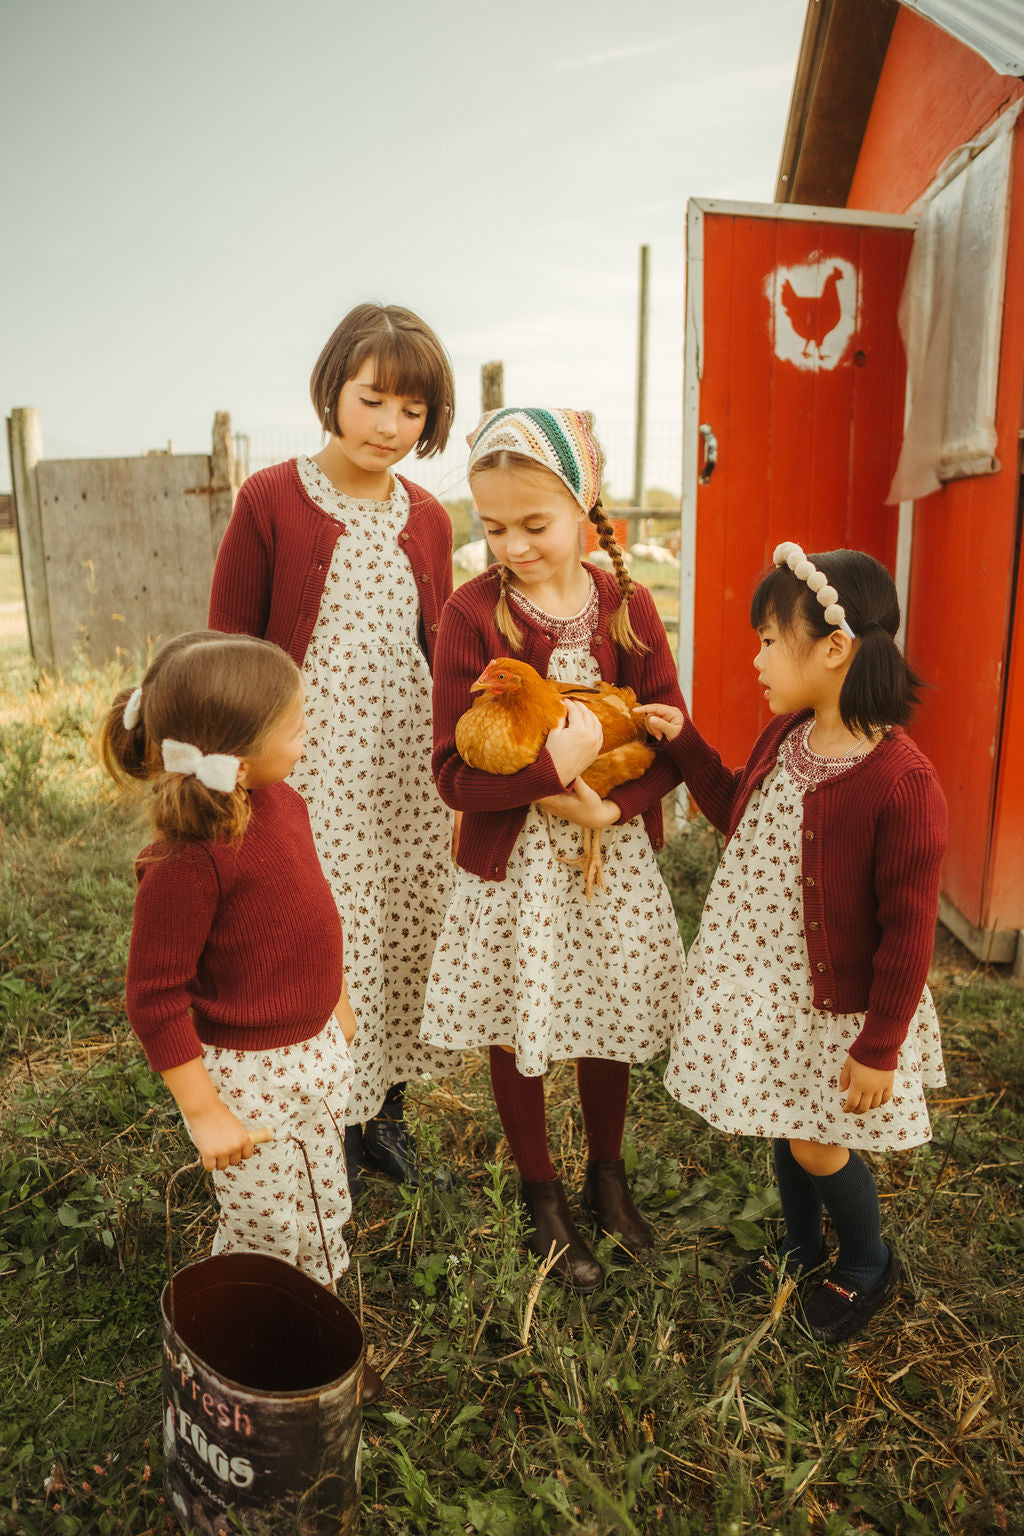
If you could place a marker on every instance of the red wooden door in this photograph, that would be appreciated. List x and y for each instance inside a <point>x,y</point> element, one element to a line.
<point>795,369</point>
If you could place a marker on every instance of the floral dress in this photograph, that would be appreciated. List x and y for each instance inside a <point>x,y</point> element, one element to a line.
<point>381,829</point>
<point>751,1053</point>
<point>528,962</point>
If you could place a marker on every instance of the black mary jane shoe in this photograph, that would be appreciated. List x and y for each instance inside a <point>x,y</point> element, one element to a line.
<point>762,1274</point>
<point>838,1308</point>
<point>552,1229</point>
<point>390,1147</point>
<point>354,1162</point>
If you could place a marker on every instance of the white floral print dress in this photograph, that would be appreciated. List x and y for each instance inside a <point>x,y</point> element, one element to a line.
<point>751,1053</point>
<point>527,962</point>
<point>381,829</point>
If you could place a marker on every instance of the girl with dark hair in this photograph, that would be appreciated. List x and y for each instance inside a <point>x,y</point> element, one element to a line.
<point>807,1019</point>
<point>525,967</point>
<point>347,565</point>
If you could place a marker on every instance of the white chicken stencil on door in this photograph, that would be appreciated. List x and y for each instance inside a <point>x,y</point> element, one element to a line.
<point>813,310</point>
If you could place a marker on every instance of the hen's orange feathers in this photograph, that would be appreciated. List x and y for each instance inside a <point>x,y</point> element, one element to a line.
<point>514,710</point>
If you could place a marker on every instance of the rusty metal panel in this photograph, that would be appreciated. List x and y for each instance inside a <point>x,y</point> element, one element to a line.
<point>128,551</point>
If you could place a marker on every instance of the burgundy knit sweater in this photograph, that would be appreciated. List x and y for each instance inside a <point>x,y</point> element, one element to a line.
<point>873,840</point>
<point>494,806</point>
<point>273,561</point>
<point>235,945</point>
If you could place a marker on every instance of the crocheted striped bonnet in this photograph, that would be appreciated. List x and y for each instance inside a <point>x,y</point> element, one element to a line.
<point>562,441</point>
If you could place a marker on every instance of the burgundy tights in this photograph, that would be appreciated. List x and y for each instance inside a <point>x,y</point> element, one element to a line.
<point>603,1089</point>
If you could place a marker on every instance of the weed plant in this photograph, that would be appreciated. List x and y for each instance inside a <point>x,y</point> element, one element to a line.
<point>655,1405</point>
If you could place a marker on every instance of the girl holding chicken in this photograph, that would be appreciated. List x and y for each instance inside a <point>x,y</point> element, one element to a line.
<point>525,964</point>
<point>346,565</point>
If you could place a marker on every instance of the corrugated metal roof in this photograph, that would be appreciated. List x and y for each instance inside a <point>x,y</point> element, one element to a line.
<point>993,28</point>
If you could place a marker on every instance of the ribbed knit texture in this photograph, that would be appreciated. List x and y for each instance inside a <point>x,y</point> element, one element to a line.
<point>851,1199</point>
<point>873,841</point>
<point>495,805</point>
<point>603,1088</point>
<point>273,561</point>
<point>604,1091</point>
<point>522,1112</point>
<point>236,946</point>
<point>801,1207</point>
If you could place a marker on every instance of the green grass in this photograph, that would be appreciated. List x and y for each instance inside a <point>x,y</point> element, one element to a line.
<point>652,1406</point>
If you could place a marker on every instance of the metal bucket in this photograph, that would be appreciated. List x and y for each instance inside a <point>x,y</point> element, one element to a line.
<point>261,1412</point>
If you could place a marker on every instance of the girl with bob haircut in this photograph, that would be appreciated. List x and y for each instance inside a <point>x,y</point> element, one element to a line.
<point>346,565</point>
<point>234,984</point>
<point>524,966</point>
<point>807,1020</point>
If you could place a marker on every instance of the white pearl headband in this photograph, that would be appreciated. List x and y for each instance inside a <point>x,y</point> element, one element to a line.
<point>802,568</point>
<point>216,770</point>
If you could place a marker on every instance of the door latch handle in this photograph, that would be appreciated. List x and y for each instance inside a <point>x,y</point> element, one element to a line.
<point>709,453</point>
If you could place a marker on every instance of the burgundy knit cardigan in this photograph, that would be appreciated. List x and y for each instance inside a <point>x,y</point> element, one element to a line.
<point>273,561</point>
<point>872,846</point>
<point>494,806</point>
<point>234,944</point>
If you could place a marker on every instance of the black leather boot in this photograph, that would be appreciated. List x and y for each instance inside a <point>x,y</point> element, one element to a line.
<point>606,1196</point>
<point>552,1222</point>
<point>389,1147</point>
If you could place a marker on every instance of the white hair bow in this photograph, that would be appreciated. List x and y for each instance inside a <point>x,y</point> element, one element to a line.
<point>133,710</point>
<point>216,770</point>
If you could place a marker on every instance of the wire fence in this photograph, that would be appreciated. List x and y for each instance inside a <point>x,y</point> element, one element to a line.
<point>445,475</point>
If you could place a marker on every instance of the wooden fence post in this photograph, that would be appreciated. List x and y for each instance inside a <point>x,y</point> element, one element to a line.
<point>222,477</point>
<point>25,447</point>
<point>492,386</point>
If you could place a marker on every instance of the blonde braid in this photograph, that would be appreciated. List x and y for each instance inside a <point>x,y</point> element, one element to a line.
<point>622,630</point>
<point>504,623</point>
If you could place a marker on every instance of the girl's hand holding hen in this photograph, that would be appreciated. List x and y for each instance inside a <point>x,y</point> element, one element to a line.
<point>575,743</point>
<point>582,805</point>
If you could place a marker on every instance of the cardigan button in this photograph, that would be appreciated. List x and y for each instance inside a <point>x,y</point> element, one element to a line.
<point>809,837</point>
<point>496,868</point>
<point>814,926</point>
<point>809,880</point>
<point>433,629</point>
<point>821,966</point>
<point>597,639</point>
<point>424,577</point>
<point>403,537</point>
<point>826,1002</point>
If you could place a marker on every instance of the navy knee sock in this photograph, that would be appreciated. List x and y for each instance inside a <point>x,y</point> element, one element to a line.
<point>801,1208</point>
<point>851,1200</point>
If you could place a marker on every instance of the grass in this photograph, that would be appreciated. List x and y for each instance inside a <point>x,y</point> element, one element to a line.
<point>652,1406</point>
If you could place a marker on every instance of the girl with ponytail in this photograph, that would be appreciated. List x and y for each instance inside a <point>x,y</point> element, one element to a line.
<point>235,985</point>
<point>524,967</point>
<point>807,1020</point>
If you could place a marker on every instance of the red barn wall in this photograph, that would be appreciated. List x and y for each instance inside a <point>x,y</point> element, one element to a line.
<point>965,628</point>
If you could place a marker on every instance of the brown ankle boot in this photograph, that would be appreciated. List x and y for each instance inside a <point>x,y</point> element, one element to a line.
<point>552,1221</point>
<point>606,1195</point>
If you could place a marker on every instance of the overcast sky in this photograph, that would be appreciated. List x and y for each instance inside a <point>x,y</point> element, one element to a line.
<point>196,192</point>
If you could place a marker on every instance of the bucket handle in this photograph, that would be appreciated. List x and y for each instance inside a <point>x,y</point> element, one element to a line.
<point>261,1135</point>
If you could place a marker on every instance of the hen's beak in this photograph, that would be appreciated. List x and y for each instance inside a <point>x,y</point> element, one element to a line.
<point>480,684</point>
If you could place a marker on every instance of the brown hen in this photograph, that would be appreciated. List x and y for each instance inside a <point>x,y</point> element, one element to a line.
<point>508,723</point>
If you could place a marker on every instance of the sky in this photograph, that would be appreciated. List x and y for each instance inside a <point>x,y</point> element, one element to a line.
<point>195,193</point>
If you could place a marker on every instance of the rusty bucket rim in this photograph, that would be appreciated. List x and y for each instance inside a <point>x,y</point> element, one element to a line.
<point>262,1392</point>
